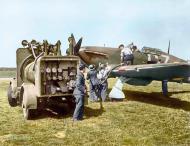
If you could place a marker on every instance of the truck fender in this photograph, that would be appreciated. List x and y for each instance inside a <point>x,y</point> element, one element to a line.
<point>29,99</point>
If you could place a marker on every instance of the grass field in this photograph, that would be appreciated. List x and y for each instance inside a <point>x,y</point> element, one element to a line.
<point>145,117</point>
<point>7,74</point>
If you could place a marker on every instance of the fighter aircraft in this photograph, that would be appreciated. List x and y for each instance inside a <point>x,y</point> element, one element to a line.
<point>149,64</point>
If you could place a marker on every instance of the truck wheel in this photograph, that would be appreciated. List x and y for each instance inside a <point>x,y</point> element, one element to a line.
<point>28,113</point>
<point>27,95</point>
<point>12,101</point>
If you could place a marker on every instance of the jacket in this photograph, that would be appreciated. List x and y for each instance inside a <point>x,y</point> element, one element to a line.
<point>80,84</point>
<point>92,76</point>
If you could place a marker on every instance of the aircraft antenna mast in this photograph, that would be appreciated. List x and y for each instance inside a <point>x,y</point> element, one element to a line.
<point>169,47</point>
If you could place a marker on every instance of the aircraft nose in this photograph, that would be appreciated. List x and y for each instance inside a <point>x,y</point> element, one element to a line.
<point>83,55</point>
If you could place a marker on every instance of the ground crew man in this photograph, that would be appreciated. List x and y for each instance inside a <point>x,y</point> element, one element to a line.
<point>102,76</point>
<point>93,83</point>
<point>126,54</point>
<point>79,93</point>
<point>70,49</point>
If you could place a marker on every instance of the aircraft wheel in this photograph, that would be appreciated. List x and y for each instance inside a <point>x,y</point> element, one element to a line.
<point>12,101</point>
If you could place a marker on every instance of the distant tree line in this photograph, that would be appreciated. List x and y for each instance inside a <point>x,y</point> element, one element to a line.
<point>7,69</point>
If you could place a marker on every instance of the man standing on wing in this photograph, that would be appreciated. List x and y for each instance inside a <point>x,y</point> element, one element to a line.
<point>127,54</point>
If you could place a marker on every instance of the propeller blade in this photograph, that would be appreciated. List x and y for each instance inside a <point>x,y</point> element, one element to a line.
<point>77,46</point>
<point>73,38</point>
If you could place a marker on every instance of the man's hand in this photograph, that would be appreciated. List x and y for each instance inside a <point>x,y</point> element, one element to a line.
<point>85,89</point>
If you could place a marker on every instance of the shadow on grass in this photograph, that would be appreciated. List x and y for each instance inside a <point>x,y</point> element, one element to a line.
<point>65,111</point>
<point>178,92</point>
<point>57,112</point>
<point>89,112</point>
<point>157,98</point>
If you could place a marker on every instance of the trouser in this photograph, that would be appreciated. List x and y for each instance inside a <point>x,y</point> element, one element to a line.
<point>128,59</point>
<point>128,62</point>
<point>93,96</point>
<point>103,91</point>
<point>79,109</point>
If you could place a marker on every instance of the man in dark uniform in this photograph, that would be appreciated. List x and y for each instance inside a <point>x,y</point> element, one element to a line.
<point>93,84</point>
<point>79,93</point>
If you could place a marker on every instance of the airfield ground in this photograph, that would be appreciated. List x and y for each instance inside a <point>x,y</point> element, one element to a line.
<point>7,73</point>
<point>145,117</point>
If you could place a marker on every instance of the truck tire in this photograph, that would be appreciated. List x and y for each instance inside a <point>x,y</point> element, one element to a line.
<point>28,95</point>
<point>29,113</point>
<point>12,101</point>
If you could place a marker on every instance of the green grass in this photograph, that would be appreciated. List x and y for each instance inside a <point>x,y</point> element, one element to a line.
<point>7,74</point>
<point>145,117</point>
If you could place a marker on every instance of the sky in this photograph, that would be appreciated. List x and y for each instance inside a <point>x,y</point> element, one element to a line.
<point>111,22</point>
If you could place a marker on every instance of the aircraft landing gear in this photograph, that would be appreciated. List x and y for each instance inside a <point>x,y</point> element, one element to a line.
<point>165,87</point>
<point>116,92</point>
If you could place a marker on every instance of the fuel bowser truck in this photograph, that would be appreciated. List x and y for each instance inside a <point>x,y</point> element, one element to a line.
<point>43,75</point>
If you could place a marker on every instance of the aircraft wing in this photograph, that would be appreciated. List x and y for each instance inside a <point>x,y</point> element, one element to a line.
<point>166,71</point>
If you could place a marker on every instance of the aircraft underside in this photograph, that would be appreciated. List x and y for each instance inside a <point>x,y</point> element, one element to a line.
<point>117,92</point>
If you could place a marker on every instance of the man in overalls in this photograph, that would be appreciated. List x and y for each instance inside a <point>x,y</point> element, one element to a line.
<point>102,76</point>
<point>93,82</point>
